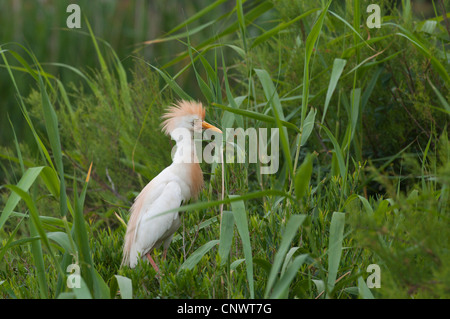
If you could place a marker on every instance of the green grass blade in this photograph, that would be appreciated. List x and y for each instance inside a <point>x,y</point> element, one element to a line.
<point>338,67</point>
<point>82,292</point>
<point>277,109</point>
<point>51,125</point>
<point>25,183</point>
<point>206,90</point>
<point>62,239</point>
<point>250,16</point>
<point>370,86</point>
<point>42,149</point>
<point>366,204</point>
<point>172,84</point>
<point>280,27</point>
<point>9,242</point>
<point>241,21</point>
<point>282,286</point>
<point>303,176</point>
<point>226,236</point>
<point>443,101</point>
<point>364,291</point>
<point>95,283</point>
<point>309,46</point>
<point>256,116</point>
<point>197,255</point>
<point>355,110</point>
<point>338,152</point>
<point>181,35</point>
<point>16,144</point>
<point>36,250</point>
<point>196,16</point>
<point>101,60</point>
<point>335,248</point>
<point>287,260</point>
<point>308,126</point>
<point>423,48</point>
<point>231,199</point>
<point>291,229</point>
<point>36,227</point>
<point>125,286</point>
<point>240,216</point>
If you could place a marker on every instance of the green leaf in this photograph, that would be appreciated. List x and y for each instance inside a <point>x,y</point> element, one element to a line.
<point>241,20</point>
<point>197,16</point>
<point>101,289</point>
<point>282,286</point>
<point>256,116</point>
<point>443,101</point>
<point>240,216</point>
<point>309,46</point>
<point>36,250</point>
<point>236,263</point>
<point>231,199</point>
<point>423,48</point>
<point>370,86</point>
<point>9,242</point>
<point>51,125</point>
<point>35,229</point>
<point>335,248</point>
<point>303,176</point>
<point>250,16</point>
<point>62,240</point>
<point>366,204</point>
<point>25,182</point>
<point>172,84</point>
<point>272,32</point>
<point>364,291</point>
<point>308,126</point>
<point>338,67</point>
<point>277,110</point>
<point>50,178</point>
<point>288,258</point>
<point>197,255</point>
<point>226,236</point>
<point>206,90</point>
<point>42,149</point>
<point>338,152</point>
<point>291,229</point>
<point>82,292</point>
<point>124,285</point>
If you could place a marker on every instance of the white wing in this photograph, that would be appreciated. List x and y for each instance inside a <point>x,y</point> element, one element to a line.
<point>152,229</point>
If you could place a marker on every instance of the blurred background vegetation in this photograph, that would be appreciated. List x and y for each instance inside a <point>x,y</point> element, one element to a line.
<point>125,25</point>
<point>397,163</point>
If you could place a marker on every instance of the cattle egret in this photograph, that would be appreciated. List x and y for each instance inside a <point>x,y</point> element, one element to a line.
<point>176,184</point>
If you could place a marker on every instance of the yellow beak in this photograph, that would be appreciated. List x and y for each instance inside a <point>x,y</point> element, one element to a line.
<point>209,126</point>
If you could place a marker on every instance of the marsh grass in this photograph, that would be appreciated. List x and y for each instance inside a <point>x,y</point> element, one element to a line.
<point>336,205</point>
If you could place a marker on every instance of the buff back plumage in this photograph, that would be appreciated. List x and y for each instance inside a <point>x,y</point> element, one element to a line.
<point>178,110</point>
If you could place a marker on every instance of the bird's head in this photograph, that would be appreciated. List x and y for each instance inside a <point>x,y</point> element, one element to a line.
<point>186,115</point>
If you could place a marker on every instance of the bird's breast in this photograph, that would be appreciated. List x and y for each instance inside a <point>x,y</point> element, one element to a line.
<point>191,178</point>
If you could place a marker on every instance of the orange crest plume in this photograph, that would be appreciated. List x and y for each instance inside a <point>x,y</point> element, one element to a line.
<point>180,109</point>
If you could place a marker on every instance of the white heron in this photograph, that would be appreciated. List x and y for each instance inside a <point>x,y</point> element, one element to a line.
<point>176,184</point>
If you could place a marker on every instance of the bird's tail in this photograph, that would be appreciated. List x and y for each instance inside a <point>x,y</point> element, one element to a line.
<point>130,252</point>
<point>129,255</point>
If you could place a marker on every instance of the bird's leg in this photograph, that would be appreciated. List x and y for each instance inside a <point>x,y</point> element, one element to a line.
<point>164,254</point>
<point>152,262</point>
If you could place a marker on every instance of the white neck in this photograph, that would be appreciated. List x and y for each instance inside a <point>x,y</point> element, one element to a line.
<point>185,149</point>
